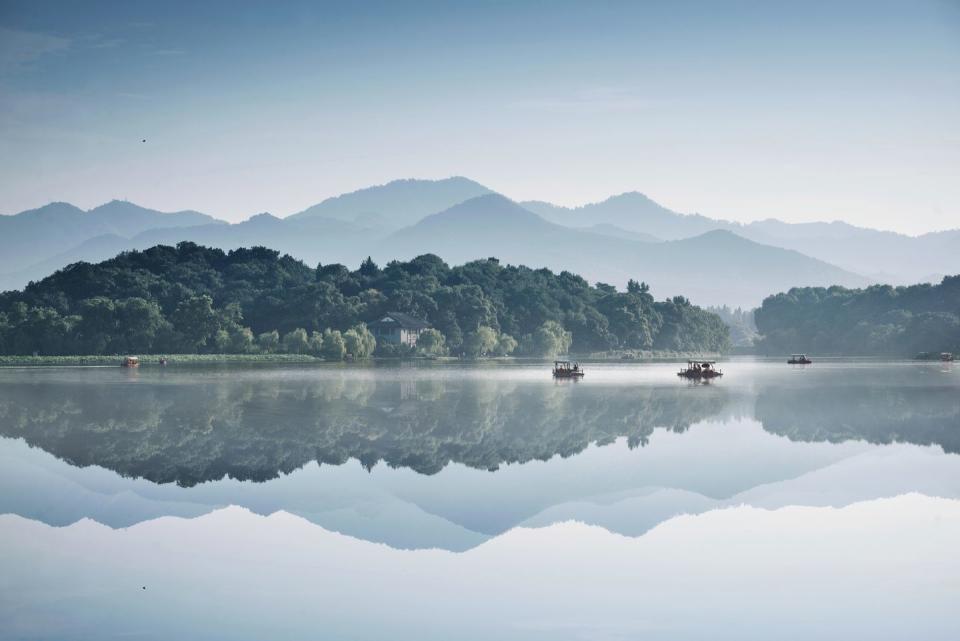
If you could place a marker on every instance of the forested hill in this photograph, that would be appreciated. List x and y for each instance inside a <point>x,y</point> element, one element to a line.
<point>191,298</point>
<point>880,320</point>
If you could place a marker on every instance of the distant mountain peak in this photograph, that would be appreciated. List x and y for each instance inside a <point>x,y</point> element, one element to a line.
<point>56,208</point>
<point>122,206</point>
<point>463,180</point>
<point>487,206</point>
<point>263,218</point>
<point>632,211</point>
<point>492,198</point>
<point>721,234</point>
<point>401,202</point>
<point>477,216</point>
<point>630,196</point>
<point>117,205</point>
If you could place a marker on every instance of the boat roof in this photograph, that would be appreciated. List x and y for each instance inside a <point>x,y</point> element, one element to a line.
<point>797,354</point>
<point>701,362</point>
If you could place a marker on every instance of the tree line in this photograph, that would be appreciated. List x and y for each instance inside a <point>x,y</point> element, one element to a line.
<point>879,320</point>
<point>194,299</point>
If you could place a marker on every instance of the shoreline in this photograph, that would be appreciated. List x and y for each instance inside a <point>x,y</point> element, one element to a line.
<point>153,360</point>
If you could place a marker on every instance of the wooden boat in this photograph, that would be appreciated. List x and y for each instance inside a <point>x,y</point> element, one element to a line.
<point>130,361</point>
<point>700,370</point>
<point>566,369</point>
<point>799,359</point>
<point>946,357</point>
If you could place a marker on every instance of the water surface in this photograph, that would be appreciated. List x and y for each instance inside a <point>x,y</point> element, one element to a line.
<point>479,501</point>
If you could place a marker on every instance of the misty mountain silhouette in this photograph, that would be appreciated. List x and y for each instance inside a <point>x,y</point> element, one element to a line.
<point>633,212</point>
<point>460,219</point>
<point>39,234</point>
<point>710,268</point>
<point>397,203</point>
<point>882,255</point>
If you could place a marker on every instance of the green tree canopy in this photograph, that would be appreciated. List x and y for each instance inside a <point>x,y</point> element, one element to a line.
<point>550,339</point>
<point>181,299</point>
<point>879,320</point>
<point>359,342</point>
<point>268,342</point>
<point>480,342</point>
<point>431,342</point>
<point>195,321</point>
<point>334,347</point>
<point>296,341</point>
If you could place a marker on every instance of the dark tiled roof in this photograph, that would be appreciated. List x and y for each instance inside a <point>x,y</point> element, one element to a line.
<point>404,321</point>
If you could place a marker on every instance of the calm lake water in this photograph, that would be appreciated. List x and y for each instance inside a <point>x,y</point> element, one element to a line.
<point>443,501</point>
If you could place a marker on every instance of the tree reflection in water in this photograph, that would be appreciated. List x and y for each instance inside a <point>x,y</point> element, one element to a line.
<point>187,428</point>
<point>257,428</point>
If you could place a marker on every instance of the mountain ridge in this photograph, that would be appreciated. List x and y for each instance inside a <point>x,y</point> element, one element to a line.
<point>712,268</point>
<point>398,202</point>
<point>857,249</point>
<point>350,226</point>
<point>41,233</point>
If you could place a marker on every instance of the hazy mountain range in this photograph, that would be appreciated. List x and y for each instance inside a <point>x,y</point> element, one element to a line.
<point>627,236</point>
<point>59,227</point>
<point>709,268</point>
<point>880,255</point>
<point>396,204</point>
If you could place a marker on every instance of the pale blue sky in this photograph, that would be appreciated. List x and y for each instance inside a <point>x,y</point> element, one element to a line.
<point>741,110</point>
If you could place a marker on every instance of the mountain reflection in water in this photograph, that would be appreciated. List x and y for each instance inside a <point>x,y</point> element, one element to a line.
<point>627,449</point>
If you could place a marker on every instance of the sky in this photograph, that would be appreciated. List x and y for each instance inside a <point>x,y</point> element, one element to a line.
<point>739,110</point>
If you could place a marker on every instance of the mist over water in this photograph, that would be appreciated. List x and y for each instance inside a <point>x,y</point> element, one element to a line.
<point>286,470</point>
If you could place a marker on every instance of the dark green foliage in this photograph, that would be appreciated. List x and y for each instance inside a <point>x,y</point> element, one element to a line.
<point>190,298</point>
<point>296,342</point>
<point>880,320</point>
<point>549,340</point>
<point>432,343</point>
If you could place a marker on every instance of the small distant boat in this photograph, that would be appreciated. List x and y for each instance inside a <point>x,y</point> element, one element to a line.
<point>699,370</point>
<point>130,361</point>
<point>934,356</point>
<point>799,359</point>
<point>566,369</point>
